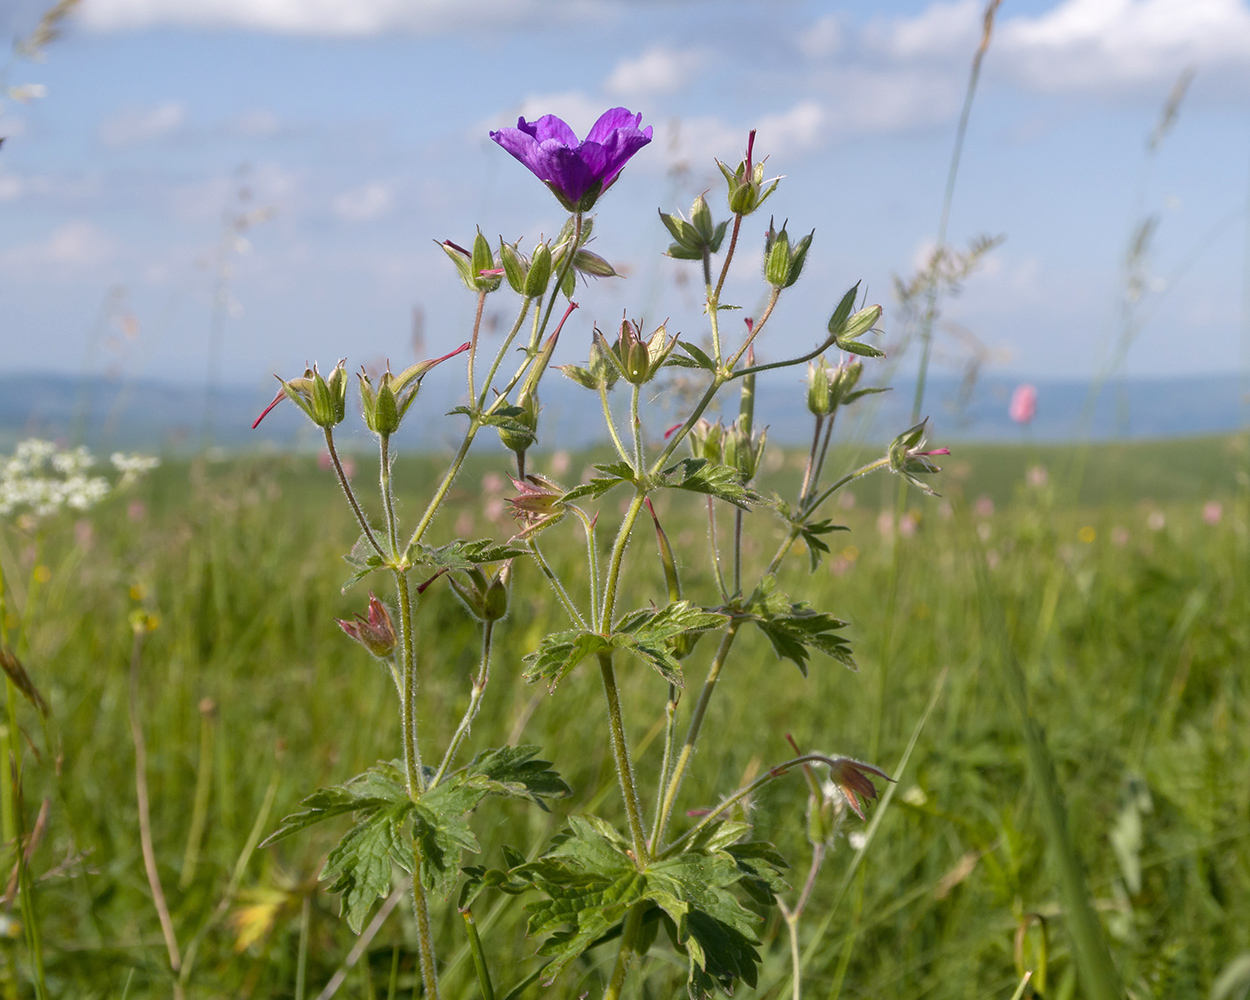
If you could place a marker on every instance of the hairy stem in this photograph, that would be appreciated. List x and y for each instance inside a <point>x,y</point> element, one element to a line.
<point>556,585</point>
<point>475,704</point>
<point>502,352</point>
<point>607,419</point>
<point>408,701</point>
<point>624,767</point>
<point>388,495</point>
<point>350,494</point>
<point>692,733</point>
<point>627,951</point>
<point>477,329</point>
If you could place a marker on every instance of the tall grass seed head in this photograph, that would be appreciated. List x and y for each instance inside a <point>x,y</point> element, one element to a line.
<point>374,630</point>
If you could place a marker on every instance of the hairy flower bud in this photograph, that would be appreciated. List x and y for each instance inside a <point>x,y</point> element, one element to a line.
<point>323,400</point>
<point>375,630</point>
<point>742,450</point>
<point>819,374</point>
<point>783,263</point>
<point>691,240</point>
<point>909,461</point>
<point>486,600</point>
<point>747,190</point>
<point>385,405</point>
<point>706,441</point>
<point>539,274</point>
<point>477,267</point>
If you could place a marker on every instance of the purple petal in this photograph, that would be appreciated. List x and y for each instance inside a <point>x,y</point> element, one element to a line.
<point>548,127</point>
<point>520,144</point>
<point>610,121</point>
<point>618,149</point>
<point>564,169</point>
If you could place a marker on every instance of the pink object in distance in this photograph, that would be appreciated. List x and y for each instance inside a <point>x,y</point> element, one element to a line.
<point>1023,404</point>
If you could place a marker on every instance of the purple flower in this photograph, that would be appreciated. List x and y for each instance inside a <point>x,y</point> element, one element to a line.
<point>577,172</point>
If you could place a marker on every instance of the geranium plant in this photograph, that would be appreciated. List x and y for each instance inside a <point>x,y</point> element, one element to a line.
<point>703,878</point>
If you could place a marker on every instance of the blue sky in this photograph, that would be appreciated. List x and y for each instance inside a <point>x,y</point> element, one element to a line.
<point>358,129</point>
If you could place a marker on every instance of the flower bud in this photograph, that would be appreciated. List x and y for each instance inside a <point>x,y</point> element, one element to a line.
<point>376,632</point>
<point>521,430</point>
<point>486,600</point>
<point>706,439</point>
<point>539,272</point>
<point>819,372</point>
<point>691,240</point>
<point>640,361</point>
<point>783,263</point>
<point>384,407</point>
<point>845,378</point>
<point>323,400</point>
<point>515,266</point>
<point>909,460</point>
<point>742,450</point>
<point>747,190</point>
<point>477,267</point>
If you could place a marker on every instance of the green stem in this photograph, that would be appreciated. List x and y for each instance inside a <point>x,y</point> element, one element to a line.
<point>503,349</point>
<point>745,791</point>
<point>627,952</point>
<point>711,534</point>
<point>592,558</point>
<point>425,947</point>
<point>558,278</point>
<point>809,471</point>
<point>388,495</point>
<point>624,767</point>
<point>618,555</point>
<point>679,435</point>
<point>729,255</point>
<point>479,956</point>
<point>636,426</point>
<point>351,496</point>
<point>773,296</point>
<point>477,329</point>
<point>556,585</point>
<point>850,477</point>
<point>475,704</point>
<point>737,550</point>
<point>449,477</point>
<point>301,955</point>
<point>607,418</point>
<point>692,733</point>
<point>408,703</point>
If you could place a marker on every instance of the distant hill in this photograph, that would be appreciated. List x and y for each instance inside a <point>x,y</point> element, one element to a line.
<point>157,415</point>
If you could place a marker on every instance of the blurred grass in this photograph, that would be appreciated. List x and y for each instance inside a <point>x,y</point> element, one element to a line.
<point>1137,674</point>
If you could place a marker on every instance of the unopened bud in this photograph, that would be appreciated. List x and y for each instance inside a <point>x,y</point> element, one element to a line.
<point>374,630</point>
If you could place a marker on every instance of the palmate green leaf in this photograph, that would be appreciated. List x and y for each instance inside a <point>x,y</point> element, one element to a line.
<point>795,629</point>
<point>462,553</point>
<point>698,475</point>
<point>649,634</point>
<point>516,773</point>
<point>560,652</point>
<point>382,785</point>
<point>617,473</point>
<point>816,547</point>
<point>363,560</point>
<point>591,882</point>
<point>360,865</point>
<point>442,831</point>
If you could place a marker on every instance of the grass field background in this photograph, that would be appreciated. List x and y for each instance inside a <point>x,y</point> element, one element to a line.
<point>1124,578</point>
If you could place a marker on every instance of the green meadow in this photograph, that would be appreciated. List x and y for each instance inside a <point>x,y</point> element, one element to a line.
<point>1122,572</point>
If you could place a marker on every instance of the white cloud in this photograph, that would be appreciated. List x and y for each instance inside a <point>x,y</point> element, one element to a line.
<point>659,70</point>
<point>349,18</point>
<point>76,244</point>
<point>823,38</point>
<point>11,187</point>
<point>137,125</point>
<point>362,204</point>
<point>1084,45</point>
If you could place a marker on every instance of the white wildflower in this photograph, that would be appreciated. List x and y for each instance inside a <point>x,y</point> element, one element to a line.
<point>41,479</point>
